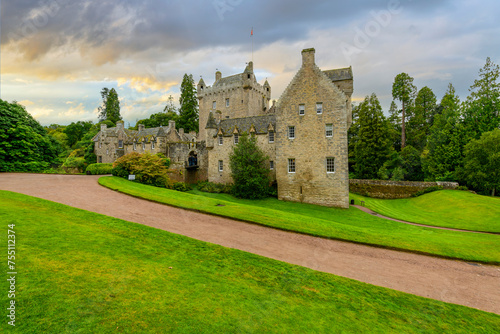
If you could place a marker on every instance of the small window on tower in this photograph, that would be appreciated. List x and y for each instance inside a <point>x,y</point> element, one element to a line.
<point>214,105</point>
<point>271,165</point>
<point>291,132</point>
<point>227,102</point>
<point>271,136</point>
<point>319,108</point>
<point>291,165</point>
<point>221,166</point>
<point>302,109</point>
<point>236,138</point>
<point>329,130</point>
<point>221,140</point>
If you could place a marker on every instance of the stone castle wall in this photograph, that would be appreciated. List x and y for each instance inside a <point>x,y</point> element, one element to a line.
<point>393,189</point>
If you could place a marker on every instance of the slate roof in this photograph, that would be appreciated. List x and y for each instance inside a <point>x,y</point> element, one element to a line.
<point>233,79</point>
<point>260,123</point>
<point>339,74</point>
<point>145,135</point>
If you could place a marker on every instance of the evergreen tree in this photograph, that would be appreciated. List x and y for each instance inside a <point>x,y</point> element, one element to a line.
<point>482,161</point>
<point>482,108</point>
<point>404,91</point>
<point>395,121</point>
<point>249,169</point>
<point>188,113</point>
<point>443,154</point>
<point>420,120</point>
<point>373,145</point>
<point>352,137</point>
<point>110,109</point>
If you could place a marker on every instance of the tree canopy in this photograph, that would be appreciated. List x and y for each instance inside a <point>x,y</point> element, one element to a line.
<point>110,109</point>
<point>249,170</point>
<point>188,113</point>
<point>403,90</point>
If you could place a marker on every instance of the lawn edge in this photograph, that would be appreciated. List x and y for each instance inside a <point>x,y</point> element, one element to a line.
<point>496,263</point>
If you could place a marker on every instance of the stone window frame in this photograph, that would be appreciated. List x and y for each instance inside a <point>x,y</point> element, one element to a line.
<point>214,105</point>
<point>329,130</point>
<point>271,165</point>
<point>221,165</point>
<point>291,132</point>
<point>221,139</point>
<point>135,145</point>
<point>319,108</point>
<point>236,139</point>
<point>143,145</point>
<point>227,103</point>
<point>302,109</point>
<point>120,143</point>
<point>271,136</point>
<point>291,165</point>
<point>152,144</point>
<point>330,165</point>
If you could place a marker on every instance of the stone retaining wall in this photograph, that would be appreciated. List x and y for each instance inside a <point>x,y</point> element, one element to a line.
<point>393,189</point>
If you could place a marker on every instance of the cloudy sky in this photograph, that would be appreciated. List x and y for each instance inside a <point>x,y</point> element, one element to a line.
<point>57,55</point>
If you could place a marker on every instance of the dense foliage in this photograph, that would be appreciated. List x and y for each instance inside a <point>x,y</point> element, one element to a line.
<point>110,109</point>
<point>249,170</point>
<point>25,145</point>
<point>99,169</point>
<point>148,168</point>
<point>188,113</point>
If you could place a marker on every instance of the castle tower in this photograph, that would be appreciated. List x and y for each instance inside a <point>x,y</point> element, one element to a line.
<point>311,138</point>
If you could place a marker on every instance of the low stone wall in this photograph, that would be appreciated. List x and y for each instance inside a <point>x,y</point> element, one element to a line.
<point>393,189</point>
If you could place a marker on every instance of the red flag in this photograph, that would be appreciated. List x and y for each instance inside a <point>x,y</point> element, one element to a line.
<point>251,33</point>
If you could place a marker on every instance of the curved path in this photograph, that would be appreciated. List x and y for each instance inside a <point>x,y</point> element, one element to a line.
<point>451,281</point>
<point>370,211</point>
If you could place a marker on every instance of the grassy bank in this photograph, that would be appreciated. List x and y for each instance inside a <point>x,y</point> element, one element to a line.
<point>343,224</point>
<point>446,208</point>
<point>84,272</point>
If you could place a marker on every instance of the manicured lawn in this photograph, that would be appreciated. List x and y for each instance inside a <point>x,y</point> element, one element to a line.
<point>447,208</point>
<point>343,224</point>
<point>82,272</point>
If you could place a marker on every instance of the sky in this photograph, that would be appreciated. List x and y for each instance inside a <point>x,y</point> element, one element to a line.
<point>57,55</point>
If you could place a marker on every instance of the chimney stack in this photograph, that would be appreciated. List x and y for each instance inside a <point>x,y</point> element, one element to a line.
<point>218,76</point>
<point>141,127</point>
<point>308,57</point>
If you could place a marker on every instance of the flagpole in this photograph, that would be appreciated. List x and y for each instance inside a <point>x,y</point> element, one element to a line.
<point>251,35</point>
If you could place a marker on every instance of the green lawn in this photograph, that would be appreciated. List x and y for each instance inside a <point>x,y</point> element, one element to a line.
<point>343,224</point>
<point>82,272</point>
<point>447,208</point>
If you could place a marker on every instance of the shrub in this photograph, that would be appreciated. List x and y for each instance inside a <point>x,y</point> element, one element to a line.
<point>75,163</point>
<point>464,188</point>
<point>148,168</point>
<point>99,169</point>
<point>427,190</point>
<point>211,187</point>
<point>180,186</point>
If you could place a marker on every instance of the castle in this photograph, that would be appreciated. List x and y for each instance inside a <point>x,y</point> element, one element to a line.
<point>304,133</point>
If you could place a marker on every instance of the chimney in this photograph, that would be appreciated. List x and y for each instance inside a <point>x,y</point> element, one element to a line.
<point>218,76</point>
<point>141,127</point>
<point>181,131</point>
<point>103,127</point>
<point>119,125</point>
<point>308,57</point>
<point>171,124</point>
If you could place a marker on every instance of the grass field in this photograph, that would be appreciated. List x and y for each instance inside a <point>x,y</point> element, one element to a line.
<point>82,272</point>
<point>447,208</point>
<point>351,225</point>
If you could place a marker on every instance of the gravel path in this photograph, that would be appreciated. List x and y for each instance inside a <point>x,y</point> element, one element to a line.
<point>451,281</point>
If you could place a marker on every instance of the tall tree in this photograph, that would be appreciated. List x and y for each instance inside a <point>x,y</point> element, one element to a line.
<point>395,121</point>
<point>76,131</point>
<point>422,116</point>
<point>403,90</point>
<point>188,113</point>
<point>482,108</point>
<point>373,145</point>
<point>482,161</point>
<point>444,149</point>
<point>249,170</point>
<point>110,109</point>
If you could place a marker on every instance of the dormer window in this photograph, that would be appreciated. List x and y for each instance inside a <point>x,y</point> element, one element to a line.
<point>271,136</point>
<point>135,145</point>
<point>221,140</point>
<point>152,144</point>
<point>236,138</point>
<point>143,146</point>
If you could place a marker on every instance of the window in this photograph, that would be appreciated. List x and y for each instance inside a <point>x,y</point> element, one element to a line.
<point>236,139</point>
<point>100,144</point>
<point>227,102</point>
<point>214,105</point>
<point>221,140</point>
<point>120,144</point>
<point>291,165</point>
<point>135,146</point>
<point>221,165</point>
<point>329,130</point>
<point>271,165</point>
<point>319,108</point>
<point>302,109</point>
<point>100,159</point>
<point>152,145</point>
<point>143,146</point>
<point>291,132</point>
<point>330,165</point>
<point>107,151</point>
<point>271,136</point>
